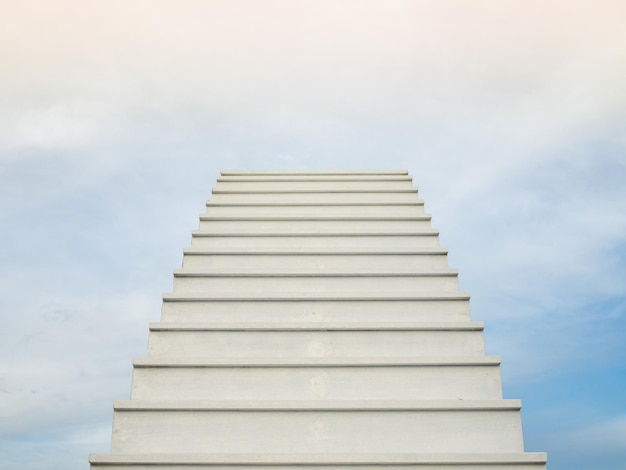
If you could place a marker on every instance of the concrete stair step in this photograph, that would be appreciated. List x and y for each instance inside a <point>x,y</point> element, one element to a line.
<point>305,340</point>
<point>307,173</point>
<point>309,241</point>
<point>371,307</point>
<point>343,296</point>
<point>319,197</point>
<point>319,262</point>
<point>305,225</point>
<point>377,378</point>
<point>293,326</point>
<point>344,252</point>
<point>360,461</point>
<point>310,184</point>
<point>316,188</point>
<point>286,283</point>
<point>235,426</point>
<point>315,177</point>
<point>315,210</point>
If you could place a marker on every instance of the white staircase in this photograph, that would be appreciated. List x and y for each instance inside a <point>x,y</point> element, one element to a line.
<point>315,324</point>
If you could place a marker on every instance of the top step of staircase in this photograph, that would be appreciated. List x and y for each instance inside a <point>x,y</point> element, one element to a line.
<point>314,173</point>
<point>314,178</point>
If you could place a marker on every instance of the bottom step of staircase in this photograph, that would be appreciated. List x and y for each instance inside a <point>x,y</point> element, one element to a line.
<point>494,461</point>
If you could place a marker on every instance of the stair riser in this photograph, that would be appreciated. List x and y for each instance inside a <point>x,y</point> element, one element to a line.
<point>312,431</point>
<point>314,343</point>
<point>317,198</point>
<point>304,243</point>
<point>459,466</point>
<point>315,211</point>
<point>315,263</point>
<point>318,383</point>
<point>311,311</point>
<point>313,226</point>
<point>246,286</point>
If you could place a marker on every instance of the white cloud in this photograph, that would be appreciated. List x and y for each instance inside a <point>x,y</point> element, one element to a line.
<point>607,436</point>
<point>53,128</point>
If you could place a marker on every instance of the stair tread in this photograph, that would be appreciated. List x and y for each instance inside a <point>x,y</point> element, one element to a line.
<point>299,296</point>
<point>317,405</point>
<point>198,273</point>
<point>315,218</point>
<point>318,326</point>
<point>346,459</point>
<point>210,203</point>
<point>317,252</point>
<point>318,361</point>
<point>309,172</point>
<point>313,191</point>
<point>421,233</point>
<point>310,177</point>
<point>292,296</point>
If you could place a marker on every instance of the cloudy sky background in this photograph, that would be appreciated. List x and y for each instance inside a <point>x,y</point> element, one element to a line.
<point>116,117</point>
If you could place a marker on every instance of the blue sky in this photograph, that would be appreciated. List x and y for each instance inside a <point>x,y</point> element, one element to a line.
<point>116,117</point>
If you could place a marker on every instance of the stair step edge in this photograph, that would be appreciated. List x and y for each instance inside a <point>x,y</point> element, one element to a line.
<point>271,218</point>
<point>422,233</point>
<point>310,172</point>
<point>328,405</point>
<point>323,459</point>
<point>304,362</point>
<point>334,252</point>
<point>318,326</point>
<point>315,191</point>
<point>172,297</point>
<point>210,203</point>
<point>182,273</point>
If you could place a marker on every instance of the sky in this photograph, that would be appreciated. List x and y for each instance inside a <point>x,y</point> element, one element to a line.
<point>117,116</point>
